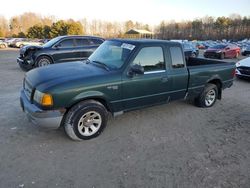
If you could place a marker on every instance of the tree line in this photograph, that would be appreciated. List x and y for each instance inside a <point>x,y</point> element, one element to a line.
<point>233,27</point>
<point>32,25</point>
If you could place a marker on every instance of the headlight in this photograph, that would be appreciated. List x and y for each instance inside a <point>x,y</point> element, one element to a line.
<point>237,64</point>
<point>219,51</point>
<point>44,99</point>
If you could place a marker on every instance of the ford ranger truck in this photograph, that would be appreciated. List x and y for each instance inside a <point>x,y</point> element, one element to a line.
<point>120,76</point>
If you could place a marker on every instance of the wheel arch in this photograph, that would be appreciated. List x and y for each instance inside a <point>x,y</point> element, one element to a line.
<point>46,55</point>
<point>97,98</point>
<point>218,83</point>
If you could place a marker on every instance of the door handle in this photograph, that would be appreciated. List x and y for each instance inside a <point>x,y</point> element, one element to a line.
<point>164,79</point>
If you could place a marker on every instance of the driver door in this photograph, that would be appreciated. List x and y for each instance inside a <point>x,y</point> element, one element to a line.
<point>149,88</point>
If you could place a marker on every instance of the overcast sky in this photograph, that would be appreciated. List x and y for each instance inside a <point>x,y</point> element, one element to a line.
<point>146,11</point>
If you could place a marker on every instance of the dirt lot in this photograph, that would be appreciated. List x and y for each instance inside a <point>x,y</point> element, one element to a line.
<point>174,145</point>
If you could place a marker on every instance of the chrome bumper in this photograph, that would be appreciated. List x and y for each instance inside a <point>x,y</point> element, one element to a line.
<point>43,118</point>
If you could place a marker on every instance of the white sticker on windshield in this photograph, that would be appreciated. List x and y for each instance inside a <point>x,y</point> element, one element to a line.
<point>128,46</point>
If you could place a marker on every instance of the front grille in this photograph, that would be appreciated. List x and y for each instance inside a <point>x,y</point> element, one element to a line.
<point>211,54</point>
<point>244,70</point>
<point>27,89</point>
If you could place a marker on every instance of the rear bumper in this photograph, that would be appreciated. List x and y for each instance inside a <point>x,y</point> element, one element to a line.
<point>43,118</point>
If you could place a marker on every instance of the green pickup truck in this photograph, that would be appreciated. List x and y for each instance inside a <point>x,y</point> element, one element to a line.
<point>121,75</point>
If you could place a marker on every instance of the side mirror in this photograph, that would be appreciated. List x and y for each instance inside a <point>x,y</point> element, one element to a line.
<point>136,69</point>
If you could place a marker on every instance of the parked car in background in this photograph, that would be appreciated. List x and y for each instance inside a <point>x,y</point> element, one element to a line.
<point>245,50</point>
<point>12,42</point>
<point>3,44</point>
<point>25,42</point>
<point>243,68</point>
<point>57,50</point>
<point>190,50</point>
<point>222,51</point>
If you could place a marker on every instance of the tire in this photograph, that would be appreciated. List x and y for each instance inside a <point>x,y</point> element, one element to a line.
<point>79,121</point>
<point>193,55</point>
<point>222,56</point>
<point>208,96</point>
<point>43,61</point>
<point>21,46</point>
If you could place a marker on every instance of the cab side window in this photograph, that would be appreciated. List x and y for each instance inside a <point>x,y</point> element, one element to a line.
<point>151,59</point>
<point>176,57</point>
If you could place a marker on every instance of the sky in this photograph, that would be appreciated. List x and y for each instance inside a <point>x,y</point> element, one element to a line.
<point>145,11</point>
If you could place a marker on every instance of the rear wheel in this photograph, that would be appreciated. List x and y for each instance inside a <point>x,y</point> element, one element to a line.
<point>43,61</point>
<point>85,120</point>
<point>208,97</point>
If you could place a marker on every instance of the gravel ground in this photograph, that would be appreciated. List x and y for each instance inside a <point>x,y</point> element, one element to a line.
<point>172,145</point>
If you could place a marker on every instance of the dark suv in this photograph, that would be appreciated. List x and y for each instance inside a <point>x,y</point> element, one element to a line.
<point>57,50</point>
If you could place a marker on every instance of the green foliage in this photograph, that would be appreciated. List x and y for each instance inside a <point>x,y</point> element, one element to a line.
<point>74,28</point>
<point>58,28</point>
<point>46,32</point>
<point>21,35</point>
<point>206,29</point>
<point>35,32</point>
<point>66,28</point>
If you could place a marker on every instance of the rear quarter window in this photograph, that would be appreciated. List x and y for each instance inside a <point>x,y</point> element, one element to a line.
<point>176,57</point>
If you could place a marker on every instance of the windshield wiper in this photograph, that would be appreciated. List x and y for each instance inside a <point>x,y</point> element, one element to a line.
<point>102,64</point>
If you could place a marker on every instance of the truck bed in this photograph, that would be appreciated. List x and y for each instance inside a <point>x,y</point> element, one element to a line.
<point>201,71</point>
<point>202,61</point>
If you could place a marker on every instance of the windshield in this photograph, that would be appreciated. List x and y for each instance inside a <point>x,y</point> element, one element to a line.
<point>112,53</point>
<point>51,42</point>
<point>219,47</point>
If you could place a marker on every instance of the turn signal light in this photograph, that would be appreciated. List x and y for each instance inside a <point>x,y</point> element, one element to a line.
<point>47,100</point>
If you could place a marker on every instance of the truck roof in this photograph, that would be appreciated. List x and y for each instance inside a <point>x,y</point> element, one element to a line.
<point>146,41</point>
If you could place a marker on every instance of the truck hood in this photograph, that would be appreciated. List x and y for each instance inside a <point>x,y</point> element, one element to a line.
<point>52,75</point>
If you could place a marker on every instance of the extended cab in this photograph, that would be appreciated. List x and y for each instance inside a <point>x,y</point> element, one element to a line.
<point>121,75</point>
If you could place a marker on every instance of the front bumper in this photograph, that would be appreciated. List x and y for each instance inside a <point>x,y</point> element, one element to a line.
<point>245,53</point>
<point>212,55</point>
<point>24,63</point>
<point>242,72</point>
<point>43,118</point>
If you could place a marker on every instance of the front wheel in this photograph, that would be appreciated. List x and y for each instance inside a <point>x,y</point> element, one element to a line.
<point>43,61</point>
<point>208,97</point>
<point>85,120</point>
